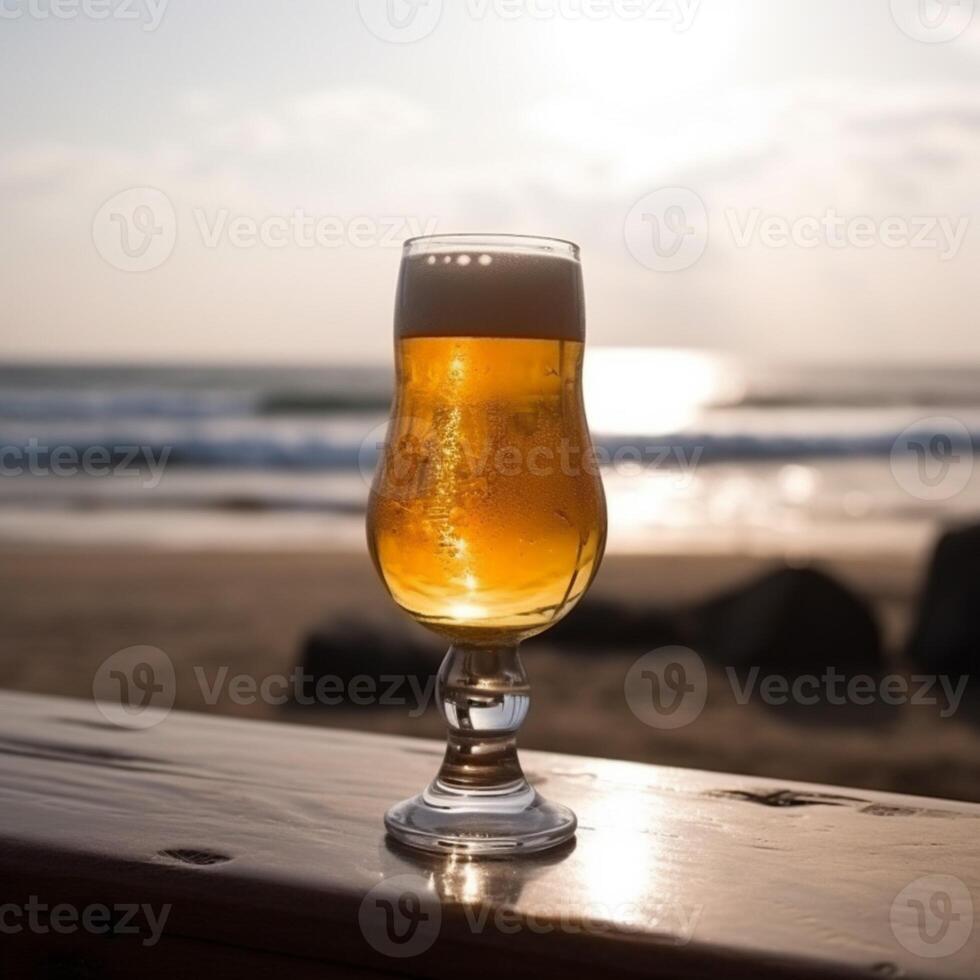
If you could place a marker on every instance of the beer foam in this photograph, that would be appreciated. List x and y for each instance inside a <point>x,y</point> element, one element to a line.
<point>483,291</point>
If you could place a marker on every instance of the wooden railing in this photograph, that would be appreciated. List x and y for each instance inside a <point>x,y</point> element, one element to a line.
<point>210,847</point>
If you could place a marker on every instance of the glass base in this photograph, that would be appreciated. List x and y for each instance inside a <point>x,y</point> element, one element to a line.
<point>480,802</point>
<point>442,821</point>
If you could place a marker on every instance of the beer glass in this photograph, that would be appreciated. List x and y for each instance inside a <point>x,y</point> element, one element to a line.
<point>486,518</point>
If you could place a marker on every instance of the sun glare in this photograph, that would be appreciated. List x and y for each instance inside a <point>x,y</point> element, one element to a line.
<point>653,391</point>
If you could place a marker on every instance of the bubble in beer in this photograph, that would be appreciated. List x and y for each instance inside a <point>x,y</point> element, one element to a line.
<point>463,260</point>
<point>485,259</point>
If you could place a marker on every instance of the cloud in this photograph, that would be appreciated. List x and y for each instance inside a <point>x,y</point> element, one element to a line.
<point>804,145</point>
<point>374,112</point>
<point>254,133</point>
<point>51,190</point>
<point>200,103</point>
<point>331,117</point>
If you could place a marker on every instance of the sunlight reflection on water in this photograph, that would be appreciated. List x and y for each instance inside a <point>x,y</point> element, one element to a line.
<point>638,389</point>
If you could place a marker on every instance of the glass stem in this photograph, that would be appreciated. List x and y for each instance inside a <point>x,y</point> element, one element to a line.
<point>484,695</point>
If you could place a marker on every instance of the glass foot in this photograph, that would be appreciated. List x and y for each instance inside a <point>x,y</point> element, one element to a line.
<point>480,802</point>
<point>441,821</point>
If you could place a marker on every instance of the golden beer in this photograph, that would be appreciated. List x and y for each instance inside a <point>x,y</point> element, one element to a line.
<point>487,515</point>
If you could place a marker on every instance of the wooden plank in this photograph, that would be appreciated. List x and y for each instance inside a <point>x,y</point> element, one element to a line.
<point>265,840</point>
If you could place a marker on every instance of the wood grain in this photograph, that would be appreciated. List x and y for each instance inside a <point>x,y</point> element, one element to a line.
<point>264,840</point>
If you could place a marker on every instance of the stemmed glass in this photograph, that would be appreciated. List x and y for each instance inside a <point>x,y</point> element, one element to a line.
<point>486,518</point>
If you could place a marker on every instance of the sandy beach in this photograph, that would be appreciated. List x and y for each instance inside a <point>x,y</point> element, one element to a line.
<point>63,612</point>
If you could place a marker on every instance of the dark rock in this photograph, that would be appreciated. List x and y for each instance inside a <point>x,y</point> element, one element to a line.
<point>597,624</point>
<point>791,621</point>
<point>946,636</point>
<point>354,664</point>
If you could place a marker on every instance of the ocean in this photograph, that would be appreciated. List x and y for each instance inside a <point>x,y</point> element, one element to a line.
<point>702,453</point>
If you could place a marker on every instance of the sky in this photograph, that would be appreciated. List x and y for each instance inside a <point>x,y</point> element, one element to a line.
<point>230,181</point>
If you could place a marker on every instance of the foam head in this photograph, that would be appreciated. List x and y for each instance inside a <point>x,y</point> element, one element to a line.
<point>490,286</point>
